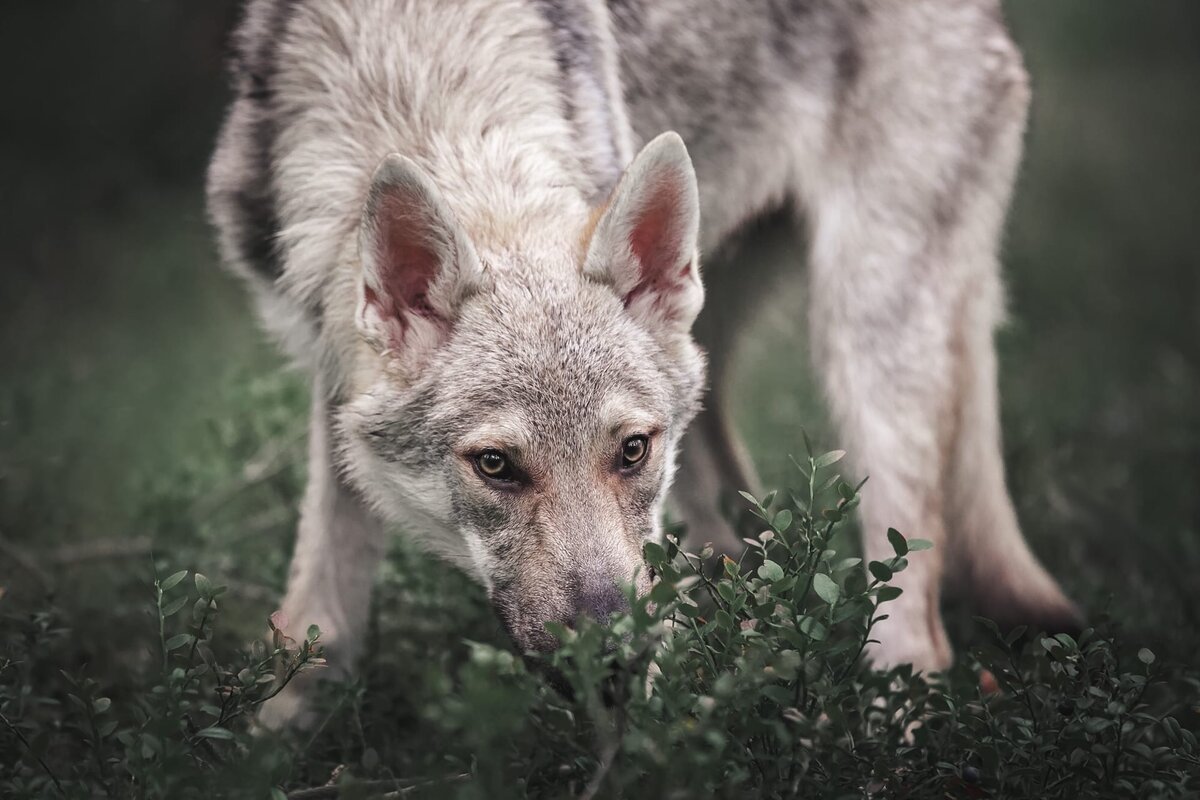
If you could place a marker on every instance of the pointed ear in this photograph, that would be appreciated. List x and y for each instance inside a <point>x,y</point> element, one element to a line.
<point>418,264</point>
<point>644,244</point>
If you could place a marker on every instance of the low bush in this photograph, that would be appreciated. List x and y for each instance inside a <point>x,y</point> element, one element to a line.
<point>748,682</point>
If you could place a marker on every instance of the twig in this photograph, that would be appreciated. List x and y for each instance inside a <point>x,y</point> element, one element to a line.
<point>100,765</point>
<point>24,560</point>
<point>265,520</point>
<point>607,756</point>
<point>255,592</point>
<point>270,460</point>
<point>17,732</point>
<point>98,549</point>
<point>71,554</point>
<point>335,790</point>
<point>394,788</point>
<point>407,790</point>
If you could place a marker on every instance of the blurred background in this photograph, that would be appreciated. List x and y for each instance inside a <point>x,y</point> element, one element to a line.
<point>145,423</point>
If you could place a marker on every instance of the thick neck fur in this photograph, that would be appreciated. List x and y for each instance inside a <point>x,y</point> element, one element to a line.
<point>470,90</point>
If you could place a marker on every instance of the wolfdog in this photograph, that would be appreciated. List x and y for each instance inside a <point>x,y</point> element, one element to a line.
<point>446,218</point>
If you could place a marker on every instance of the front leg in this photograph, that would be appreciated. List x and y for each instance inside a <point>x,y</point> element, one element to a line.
<point>338,547</point>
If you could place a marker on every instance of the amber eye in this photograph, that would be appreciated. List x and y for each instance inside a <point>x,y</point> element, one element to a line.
<point>634,451</point>
<point>493,464</point>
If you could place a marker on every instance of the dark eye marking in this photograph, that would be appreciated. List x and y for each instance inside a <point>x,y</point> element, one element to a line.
<point>634,451</point>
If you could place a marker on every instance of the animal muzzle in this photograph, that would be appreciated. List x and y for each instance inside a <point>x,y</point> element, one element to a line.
<point>526,609</point>
<point>597,599</point>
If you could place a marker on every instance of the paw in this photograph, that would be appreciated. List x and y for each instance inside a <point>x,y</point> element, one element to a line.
<point>900,642</point>
<point>291,709</point>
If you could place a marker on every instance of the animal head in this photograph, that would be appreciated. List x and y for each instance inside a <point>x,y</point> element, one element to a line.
<point>527,412</point>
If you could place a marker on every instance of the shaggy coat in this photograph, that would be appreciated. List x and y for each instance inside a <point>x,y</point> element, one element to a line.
<point>465,219</point>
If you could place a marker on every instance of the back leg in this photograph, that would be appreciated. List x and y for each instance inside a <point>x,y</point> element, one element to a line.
<point>714,463</point>
<point>990,559</point>
<point>906,205</point>
<point>992,564</point>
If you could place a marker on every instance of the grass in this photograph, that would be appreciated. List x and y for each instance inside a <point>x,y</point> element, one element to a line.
<point>141,411</point>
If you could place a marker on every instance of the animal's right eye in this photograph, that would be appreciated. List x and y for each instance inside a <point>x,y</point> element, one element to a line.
<point>494,465</point>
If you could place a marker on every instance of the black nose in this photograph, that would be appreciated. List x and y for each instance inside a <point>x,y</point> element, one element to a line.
<point>599,599</point>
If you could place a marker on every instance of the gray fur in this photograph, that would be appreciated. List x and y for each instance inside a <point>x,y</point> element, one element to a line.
<point>888,130</point>
<point>593,102</point>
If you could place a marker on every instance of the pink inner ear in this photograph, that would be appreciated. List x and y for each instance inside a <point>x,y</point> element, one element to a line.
<point>657,238</point>
<point>409,261</point>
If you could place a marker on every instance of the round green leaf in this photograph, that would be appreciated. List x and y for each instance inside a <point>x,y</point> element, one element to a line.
<point>179,640</point>
<point>173,581</point>
<point>813,629</point>
<point>214,732</point>
<point>826,588</point>
<point>655,555</point>
<point>888,593</point>
<point>825,459</point>
<point>174,606</point>
<point>770,571</point>
<point>880,570</point>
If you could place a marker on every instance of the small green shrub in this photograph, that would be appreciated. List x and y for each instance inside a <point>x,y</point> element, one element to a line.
<point>750,682</point>
<point>185,735</point>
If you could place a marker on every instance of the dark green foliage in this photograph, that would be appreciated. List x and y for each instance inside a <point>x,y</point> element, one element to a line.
<point>749,682</point>
<point>183,735</point>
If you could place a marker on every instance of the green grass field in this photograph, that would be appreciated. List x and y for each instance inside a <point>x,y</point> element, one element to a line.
<point>146,424</point>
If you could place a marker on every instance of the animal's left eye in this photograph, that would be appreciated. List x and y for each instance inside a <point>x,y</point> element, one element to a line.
<point>634,450</point>
<point>494,465</point>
